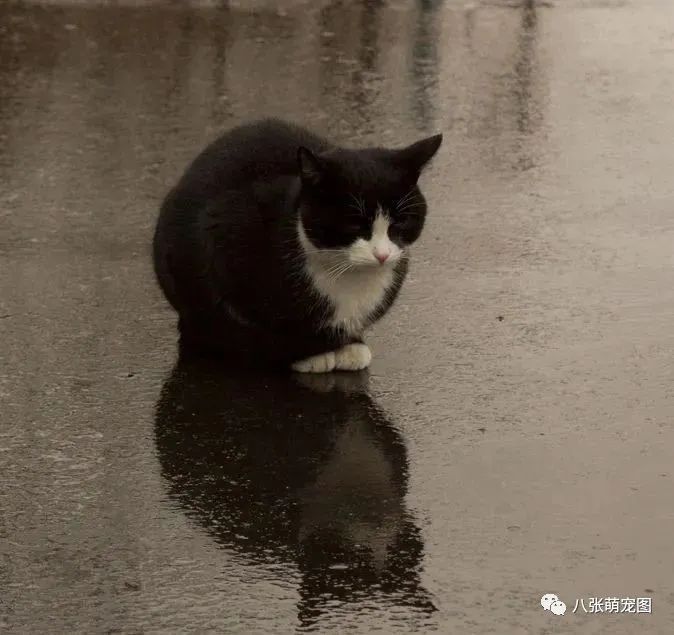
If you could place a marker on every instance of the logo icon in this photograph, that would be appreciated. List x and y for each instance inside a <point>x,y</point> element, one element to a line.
<point>550,602</point>
<point>547,600</point>
<point>558,608</point>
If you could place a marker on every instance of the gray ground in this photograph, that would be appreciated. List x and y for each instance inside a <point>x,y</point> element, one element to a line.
<point>514,436</point>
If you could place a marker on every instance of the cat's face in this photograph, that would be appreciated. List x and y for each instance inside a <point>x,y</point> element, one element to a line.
<point>363,207</point>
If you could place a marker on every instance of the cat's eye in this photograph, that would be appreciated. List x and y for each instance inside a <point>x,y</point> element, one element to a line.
<point>403,222</point>
<point>354,224</point>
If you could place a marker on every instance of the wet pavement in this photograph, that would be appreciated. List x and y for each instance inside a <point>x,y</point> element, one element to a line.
<point>514,436</point>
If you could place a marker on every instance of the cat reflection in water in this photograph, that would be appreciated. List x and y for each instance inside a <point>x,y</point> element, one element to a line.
<point>277,247</point>
<point>303,470</point>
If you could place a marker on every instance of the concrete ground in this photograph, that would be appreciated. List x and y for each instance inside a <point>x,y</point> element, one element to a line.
<point>514,436</point>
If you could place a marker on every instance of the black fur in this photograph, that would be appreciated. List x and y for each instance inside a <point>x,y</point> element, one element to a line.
<point>226,250</point>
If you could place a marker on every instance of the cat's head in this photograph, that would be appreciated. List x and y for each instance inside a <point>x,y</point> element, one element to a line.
<point>363,207</point>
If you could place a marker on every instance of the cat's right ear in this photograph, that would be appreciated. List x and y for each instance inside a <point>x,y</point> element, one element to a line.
<point>416,156</point>
<point>311,167</point>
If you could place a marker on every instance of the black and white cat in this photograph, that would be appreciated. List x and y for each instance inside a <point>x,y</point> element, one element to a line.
<point>278,247</point>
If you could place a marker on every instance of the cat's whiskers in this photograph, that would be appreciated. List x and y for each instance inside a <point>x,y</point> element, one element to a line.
<point>323,251</point>
<point>359,204</point>
<point>405,198</point>
<point>339,273</point>
<point>414,198</point>
<point>335,271</point>
<point>365,264</point>
<point>336,265</point>
<point>409,206</point>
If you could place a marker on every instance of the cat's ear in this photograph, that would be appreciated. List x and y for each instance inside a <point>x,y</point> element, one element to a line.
<point>415,157</point>
<point>311,167</point>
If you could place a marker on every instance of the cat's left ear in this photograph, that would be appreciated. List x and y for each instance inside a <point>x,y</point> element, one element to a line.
<point>415,157</point>
<point>310,166</point>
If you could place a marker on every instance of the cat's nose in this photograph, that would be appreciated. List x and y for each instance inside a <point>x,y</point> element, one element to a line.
<point>381,256</point>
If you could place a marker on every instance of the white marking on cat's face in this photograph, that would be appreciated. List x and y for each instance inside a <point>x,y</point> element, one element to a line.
<point>379,249</point>
<point>354,290</point>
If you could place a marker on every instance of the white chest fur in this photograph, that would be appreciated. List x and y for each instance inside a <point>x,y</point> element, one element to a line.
<point>354,294</point>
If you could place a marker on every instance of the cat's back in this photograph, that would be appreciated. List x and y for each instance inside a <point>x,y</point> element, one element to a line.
<point>260,150</point>
<point>227,196</point>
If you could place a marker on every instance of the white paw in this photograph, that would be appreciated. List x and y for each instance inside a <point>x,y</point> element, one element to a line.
<point>353,357</point>
<point>323,363</point>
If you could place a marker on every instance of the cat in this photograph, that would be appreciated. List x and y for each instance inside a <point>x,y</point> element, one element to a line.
<point>277,247</point>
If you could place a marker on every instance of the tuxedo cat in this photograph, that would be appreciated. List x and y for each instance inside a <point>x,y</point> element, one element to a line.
<point>278,247</point>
